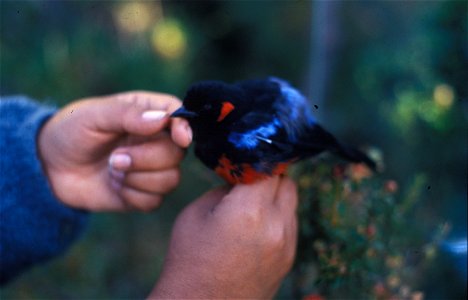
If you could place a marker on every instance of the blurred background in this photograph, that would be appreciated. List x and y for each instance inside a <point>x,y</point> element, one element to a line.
<point>390,75</point>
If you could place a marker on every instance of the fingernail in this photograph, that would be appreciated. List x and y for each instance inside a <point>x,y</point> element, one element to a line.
<point>120,161</point>
<point>116,174</point>
<point>153,115</point>
<point>189,133</point>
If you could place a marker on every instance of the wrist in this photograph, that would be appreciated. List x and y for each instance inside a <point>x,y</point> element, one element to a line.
<point>46,156</point>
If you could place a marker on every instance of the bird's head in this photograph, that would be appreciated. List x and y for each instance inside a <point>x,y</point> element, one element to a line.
<point>209,104</point>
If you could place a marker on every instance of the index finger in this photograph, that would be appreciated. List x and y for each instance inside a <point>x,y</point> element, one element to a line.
<point>287,197</point>
<point>136,112</point>
<point>152,100</point>
<point>181,132</point>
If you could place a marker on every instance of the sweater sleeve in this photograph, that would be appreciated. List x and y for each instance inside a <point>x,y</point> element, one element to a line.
<point>34,225</point>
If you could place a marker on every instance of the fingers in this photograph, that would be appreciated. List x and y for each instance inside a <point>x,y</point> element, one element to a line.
<point>286,198</point>
<point>143,190</point>
<point>158,154</point>
<point>141,174</point>
<point>161,182</point>
<point>286,202</point>
<point>180,129</point>
<point>140,113</point>
<point>181,132</point>
<point>139,200</point>
<point>249,203</point>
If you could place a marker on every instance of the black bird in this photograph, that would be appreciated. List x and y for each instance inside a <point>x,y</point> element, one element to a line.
<point>252,129</point>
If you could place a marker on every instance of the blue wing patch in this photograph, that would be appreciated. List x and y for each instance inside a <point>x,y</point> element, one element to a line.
<point>251,138</point>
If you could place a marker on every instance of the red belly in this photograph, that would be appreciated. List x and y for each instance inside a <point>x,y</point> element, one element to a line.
<point>245,173</point>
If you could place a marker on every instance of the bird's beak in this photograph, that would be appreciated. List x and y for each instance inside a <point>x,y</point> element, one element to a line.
<point>182,112</point>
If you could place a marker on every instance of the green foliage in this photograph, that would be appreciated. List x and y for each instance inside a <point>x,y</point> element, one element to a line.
<point>358,237</point>
<point>396,80</point>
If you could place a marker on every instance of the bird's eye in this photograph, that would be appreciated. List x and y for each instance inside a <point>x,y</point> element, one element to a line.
<point>207,106</point>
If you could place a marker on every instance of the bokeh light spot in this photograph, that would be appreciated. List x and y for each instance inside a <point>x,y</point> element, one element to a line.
<point>169,39</point>
<point>135,17</point>
<point>444,96</point>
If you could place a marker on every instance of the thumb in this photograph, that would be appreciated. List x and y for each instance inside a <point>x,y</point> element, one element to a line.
<point>139,113</point>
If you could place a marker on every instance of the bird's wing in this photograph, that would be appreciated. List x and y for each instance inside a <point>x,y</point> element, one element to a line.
<point>284,123</point>
<point>292,103</point>
<point>255,129</point>
<point>280,118</point>
<point>276,97</point>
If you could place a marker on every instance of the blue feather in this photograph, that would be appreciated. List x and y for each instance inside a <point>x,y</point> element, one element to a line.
<point>296,103</point>
<point>251,138</point>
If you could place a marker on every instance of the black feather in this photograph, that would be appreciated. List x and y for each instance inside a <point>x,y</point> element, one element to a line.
<point>271,123</point>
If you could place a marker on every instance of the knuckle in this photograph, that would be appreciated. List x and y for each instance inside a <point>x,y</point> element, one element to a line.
<point>135,102</point>
<point>244,216</point>
<point>170,98</point>
<point>275,237</point>
<point>145,99</point>
<point>252,214</point>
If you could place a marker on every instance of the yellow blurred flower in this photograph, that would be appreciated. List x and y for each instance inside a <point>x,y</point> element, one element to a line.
<point>169,39</point>
<point>135,17</point>
<point>444,96</point>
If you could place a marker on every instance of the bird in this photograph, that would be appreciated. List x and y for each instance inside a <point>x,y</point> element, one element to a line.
<point>254,129</point>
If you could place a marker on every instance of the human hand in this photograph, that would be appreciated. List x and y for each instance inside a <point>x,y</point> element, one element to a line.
<point>112,153</point>
<point>236,243</point>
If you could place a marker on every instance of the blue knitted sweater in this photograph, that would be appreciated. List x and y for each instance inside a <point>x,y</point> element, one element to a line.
<point>34,225</point>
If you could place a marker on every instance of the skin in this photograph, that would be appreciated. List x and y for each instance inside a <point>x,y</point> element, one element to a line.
<point>232,242</point>
<point>75,146</point>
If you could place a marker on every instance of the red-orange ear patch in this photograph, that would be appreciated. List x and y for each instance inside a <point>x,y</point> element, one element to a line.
<point>225,110</point>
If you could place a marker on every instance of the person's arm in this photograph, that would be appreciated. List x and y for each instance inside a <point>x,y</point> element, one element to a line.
<point>56,165</point>
<point>34,226</point>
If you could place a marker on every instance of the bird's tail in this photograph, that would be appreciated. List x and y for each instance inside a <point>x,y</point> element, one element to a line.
<point>319,140</point>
